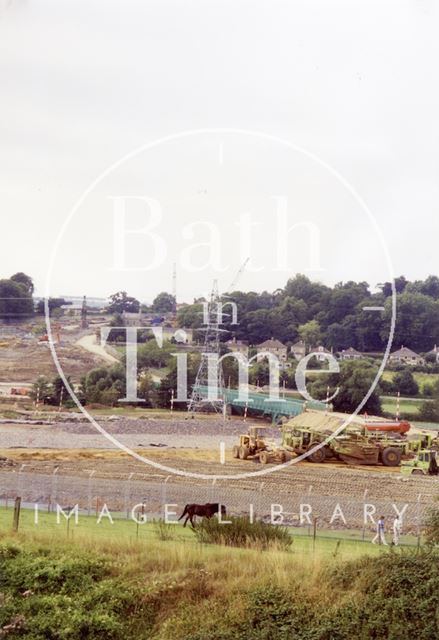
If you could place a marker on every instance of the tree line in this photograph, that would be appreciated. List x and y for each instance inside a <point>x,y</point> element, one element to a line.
<point>335,316</point>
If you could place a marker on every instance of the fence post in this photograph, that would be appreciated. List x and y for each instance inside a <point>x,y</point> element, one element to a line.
<point>20,488</point>
<point>16,519</point>
<point>309,493</point>
<point>418,521</point>
<point>164,492</point>
<point>54,496</point>
<point>128,493</point>
<point>364,519</point>
<point>212,489</point>
<point>89,491</point>
<point>314,534</point>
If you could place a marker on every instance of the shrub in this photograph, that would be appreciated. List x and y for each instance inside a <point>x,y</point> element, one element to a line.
<point>431,530</point>
<point>240,532</point>
<point>163,530</point>
<point>68,596</point>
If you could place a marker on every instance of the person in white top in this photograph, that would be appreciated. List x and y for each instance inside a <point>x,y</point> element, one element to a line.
<point>379,538</point>
<point>396,530</point>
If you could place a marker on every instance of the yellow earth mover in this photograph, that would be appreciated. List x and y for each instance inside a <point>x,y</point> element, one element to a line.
<point>254,446</point>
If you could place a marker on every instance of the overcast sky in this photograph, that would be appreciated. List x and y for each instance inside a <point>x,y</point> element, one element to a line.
<point>84,83</point>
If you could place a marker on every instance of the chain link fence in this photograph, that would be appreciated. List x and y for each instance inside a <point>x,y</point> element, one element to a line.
<point>350,508</point>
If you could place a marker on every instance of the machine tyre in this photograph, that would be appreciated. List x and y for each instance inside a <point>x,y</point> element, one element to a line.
<point>236,451</point>
<point>391,457</point>
<point>317,456</point>
<point>243,453</point>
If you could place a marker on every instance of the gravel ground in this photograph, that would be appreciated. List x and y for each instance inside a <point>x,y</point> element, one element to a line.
<point>134,432</point>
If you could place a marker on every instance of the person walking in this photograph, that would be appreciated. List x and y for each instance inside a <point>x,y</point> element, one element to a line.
<point>396,530</point>
<point>379,537</point>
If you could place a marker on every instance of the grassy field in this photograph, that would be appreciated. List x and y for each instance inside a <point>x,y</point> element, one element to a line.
<point>421,378</point>
<point>406,405</point>
<point>346,544</point>
<point>105,581</point>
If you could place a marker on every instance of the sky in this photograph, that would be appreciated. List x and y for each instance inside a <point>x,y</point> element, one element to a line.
<point>136,135</point>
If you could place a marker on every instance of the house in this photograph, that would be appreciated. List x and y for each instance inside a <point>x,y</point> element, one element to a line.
<point>237,346</point>
<point>405,356</point>
<point>350,354</point>
<point>132,319</point>
<point>434,352</point>
<point>72,309</point>
<point>299,349</point>
<point>274,347</point>
<point>320,353</point>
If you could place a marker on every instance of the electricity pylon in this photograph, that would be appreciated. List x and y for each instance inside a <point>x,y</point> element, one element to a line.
<point>209,370</point>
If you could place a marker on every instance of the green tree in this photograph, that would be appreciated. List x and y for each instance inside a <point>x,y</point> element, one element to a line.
<point>258,326</point>
<point>405,383</point>
<point>190,316</point>
<point>285,319</point>
<point>15,301</point>
<point>147,389</point>
<point>428,287</point>
<point>54,303</point>
<point>310,333</point>
<point>41,389</point>
<point>59,391</point>
<point>169,382</point>
<point>163,303</point>
<point>353,382</point>
<point>151,355</point>
<point>104,385</point>
<point>121,301</point>
<point>24,280</point>
<point>417,321</point>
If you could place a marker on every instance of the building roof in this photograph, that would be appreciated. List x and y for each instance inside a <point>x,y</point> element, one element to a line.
<point>238,343</point>
<point>320,349</point>
<point>351,351</point>
<point>405,352</point>
<point>272,344</point>
<point>300,343</point>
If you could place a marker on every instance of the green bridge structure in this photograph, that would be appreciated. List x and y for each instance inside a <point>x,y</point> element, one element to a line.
<point>261,404</point>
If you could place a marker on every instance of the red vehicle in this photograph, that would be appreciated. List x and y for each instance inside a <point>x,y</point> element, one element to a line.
<point>19,391</point>
<point>396,426</point>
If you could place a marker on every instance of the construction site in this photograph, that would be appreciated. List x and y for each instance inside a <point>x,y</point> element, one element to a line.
<point>248,452</point>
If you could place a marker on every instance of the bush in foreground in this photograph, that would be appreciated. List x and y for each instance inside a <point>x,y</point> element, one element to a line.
<point>240,532</point>
<point>61,593</point>
<point>67,596</point>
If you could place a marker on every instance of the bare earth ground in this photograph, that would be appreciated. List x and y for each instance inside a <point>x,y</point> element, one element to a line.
<point>72,463</point>
<point>23,360</point>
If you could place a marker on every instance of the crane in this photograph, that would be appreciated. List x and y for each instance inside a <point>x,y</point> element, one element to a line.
<point>237,276</point>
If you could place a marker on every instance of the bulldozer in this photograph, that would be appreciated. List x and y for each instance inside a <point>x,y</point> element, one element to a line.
<point>424,463</point>
<point>254,446</point>
<point>352,447</point>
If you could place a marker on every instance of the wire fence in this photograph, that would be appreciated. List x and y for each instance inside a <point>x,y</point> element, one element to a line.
<point>354,510</point>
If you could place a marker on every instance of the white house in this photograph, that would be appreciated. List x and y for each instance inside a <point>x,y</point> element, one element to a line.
<point>237,346</point>
<point>350,354</point>
<point>320,352</point>
<point>273,346</point>
<point>299,349</point>
<point>435,352</point>
<point>405,356</point>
